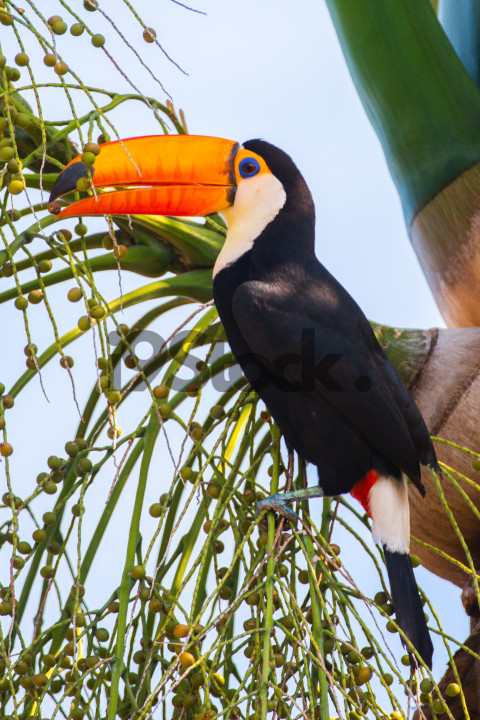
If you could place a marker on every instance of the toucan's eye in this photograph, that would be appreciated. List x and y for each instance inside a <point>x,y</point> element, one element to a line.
<point>248,167</point>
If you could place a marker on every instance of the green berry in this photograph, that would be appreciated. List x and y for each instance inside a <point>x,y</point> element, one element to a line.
<point>45,266</point>
<point>21,303</point>
<point>54,547</point>
<point>49,660</point>
<point>23,121</point>
<point>303,577</point>
<point>86,464</point>
<point>415,560</point>
<point>155,510</point>
<point>165,409</point>
<point>197,433</point>
<point>39,535</point>
<point>123,330</point>
<point>13,74</point>
<point>453,689</point>
<point>49,518</point>
<point>88,158</point>
<point>47,572</point>
<point>83,184</point>
<point>390,626</point>
<point>61,68</point>
<point>50,487</point>
<point>22,59</point>
<point>98,41</point>
<point>138,572</point>
<point>114,397</point>
<point>214,489</point>
<point>35,297</point>
<point>77,29</point>
<point>14,167</point>
<point>71,449</point>
<point>84,323</point>
<point>6,153</point>
<point>426,685</point>
<point>6,18</point>
<point>120,252</point>
<point>161,391</point>
<point>102,634</point>
<point>149,35</point>
<point>59,27</point>
<point>24,547</point>
<point>27,682</point>
<point>217,412</point>
<point>81,229</point>
<point>98,312</point>
<point>40,679</point>
<point>18,562</point>
<point>381,598</point>
<point>21,668</point>
<point>74,295</point>
<point>54,462</point>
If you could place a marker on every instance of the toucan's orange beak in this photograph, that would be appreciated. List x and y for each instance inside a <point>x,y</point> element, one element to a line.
<point>158,175</point>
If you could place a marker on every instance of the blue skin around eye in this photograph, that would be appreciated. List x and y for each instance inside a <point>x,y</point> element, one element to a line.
<point>249,161</point>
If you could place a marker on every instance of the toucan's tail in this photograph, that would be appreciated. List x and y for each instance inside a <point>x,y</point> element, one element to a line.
<point>407,604</point>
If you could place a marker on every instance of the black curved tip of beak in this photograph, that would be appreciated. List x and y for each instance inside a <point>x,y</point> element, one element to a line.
<point>68,178</point>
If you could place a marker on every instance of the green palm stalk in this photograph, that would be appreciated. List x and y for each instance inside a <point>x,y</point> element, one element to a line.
<point>425,108</point>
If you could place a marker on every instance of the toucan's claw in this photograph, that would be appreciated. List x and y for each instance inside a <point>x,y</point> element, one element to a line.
<point>279,504</point>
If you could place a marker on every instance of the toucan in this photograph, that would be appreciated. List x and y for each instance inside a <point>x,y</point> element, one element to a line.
<point>303,343</point>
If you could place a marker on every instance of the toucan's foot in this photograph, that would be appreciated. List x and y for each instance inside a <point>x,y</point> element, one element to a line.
<point>279,504</point>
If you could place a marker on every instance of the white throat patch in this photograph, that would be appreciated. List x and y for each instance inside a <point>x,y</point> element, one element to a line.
<point>257,202</point>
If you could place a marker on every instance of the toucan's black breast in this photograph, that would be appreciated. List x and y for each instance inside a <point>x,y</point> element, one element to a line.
<point>309,352</point>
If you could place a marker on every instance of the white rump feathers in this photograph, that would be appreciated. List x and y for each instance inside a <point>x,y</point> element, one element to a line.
<point>390,513</point>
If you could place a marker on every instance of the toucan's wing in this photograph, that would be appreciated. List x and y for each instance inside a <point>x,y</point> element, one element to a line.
<point>325,350</point>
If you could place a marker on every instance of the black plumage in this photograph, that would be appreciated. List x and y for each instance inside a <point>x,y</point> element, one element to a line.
<point>310,353</point>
